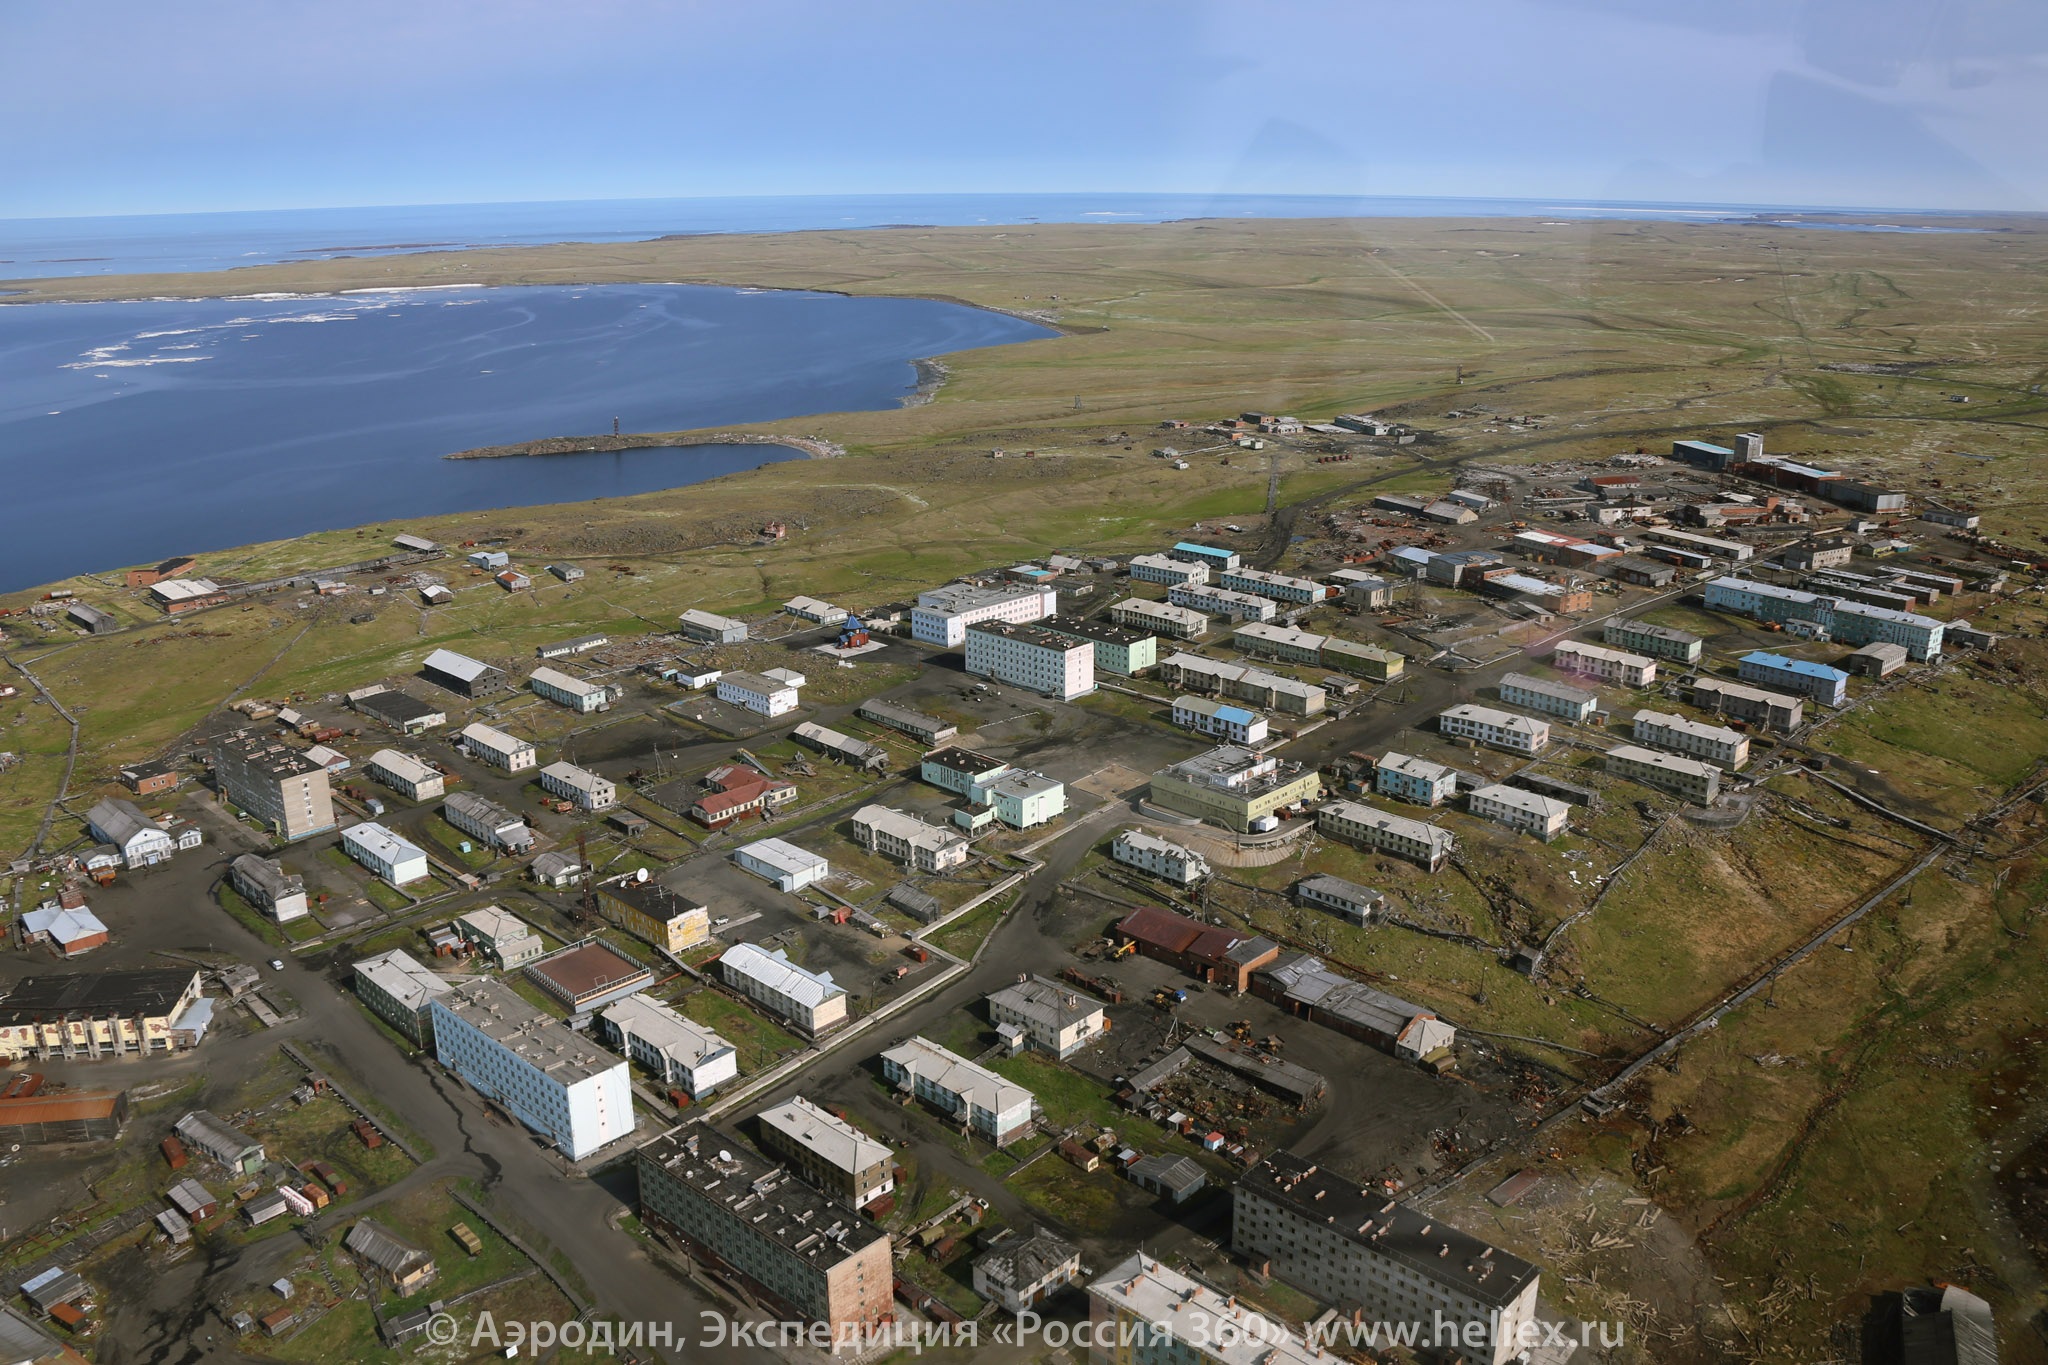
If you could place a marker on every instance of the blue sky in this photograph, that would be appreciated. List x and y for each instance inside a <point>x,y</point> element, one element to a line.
<point>127,107</point>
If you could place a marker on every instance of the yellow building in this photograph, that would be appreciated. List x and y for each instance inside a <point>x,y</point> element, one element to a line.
<point>648,910</point>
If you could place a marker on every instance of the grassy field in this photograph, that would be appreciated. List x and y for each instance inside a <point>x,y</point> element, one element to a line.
<point>759,1040</point>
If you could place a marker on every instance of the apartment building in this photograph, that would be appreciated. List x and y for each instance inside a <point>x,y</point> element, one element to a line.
<point>1575,704</point>
<point>1362,588</point>
<point>1407,778</point>
<point>681,1052</point>
<point>908,840</point>
<point>397,988</point>
<point>578,695</point>
<point>1144,1313</point>
<point>1225,602</point>
<point>283,789</point>
<point>942,615</point>
<point>1037,660</point>
<point>1609,665</point>
<point>533,1066</point>
<point>1159,618</point>
<point>579,786</point>
<point>1219,719</point>
<point>1495,729</point>
<point>1826,685</point>
<point>1364,827</point>
<point>265,884</point>
<point>757,692</point>
<point>482,818</point>
<point>491,745</point>
<point>1243,683</point>
<point>982,1102</point>
<point>1118,649</point>
<point>1239,789</point>
<point>1717,744</point>
<point>1697,782</point>
<point>1278,586</point>
<point>1272,641</point>
<point>1320,1232</point>
<point>406,775</point>
<point>1660,642</point>
<point>1774,710</point>
<point>653,913</point>
<point>1020,1271</point>
<point>804,1255</point>
<point>1017,798</point>
<point>501,936</point>
<point>1714,548</point>
<point>829,1152</point>
<point>1852,623</point>
<point>1162,858</point>
<point>1347,900</point>
<point>1367,661</point>
<point>1172,572</point>
<point>1527,811</point>
<point>1052,1017</point>
<point>396,860</point>
<point>812,1001</point>
<point>959,770</point>
<point>1218,560</point>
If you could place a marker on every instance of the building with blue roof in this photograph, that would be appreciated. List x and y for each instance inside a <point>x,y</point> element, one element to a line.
<point>1218,560</point>
<point>1800,676</point>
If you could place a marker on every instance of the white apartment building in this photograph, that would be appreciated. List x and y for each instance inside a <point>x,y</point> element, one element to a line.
<point>1033,659</point>
<point>1531,813</point>
<point>1222,602</point>
<point>1408,778</point>
<point>406,775</point>
<point>397,988</point>
<point>1172,572</point>
<point>1144,1313</point>
<point>1232,724</point>
<point>1341,1244</point>
<point>384,853</point>
<point>1161,618</point>
<point>1278,586</point>
<point>1575,704</point>
<point>1717,744</point>
<point>491,745</point>
<point>580,785</point>
<point>1495,729</point>
<point>1362,826</point>
<point>1697,782</point>
<point>1162,858</point>
<point>902,836</point>
<point>942,615</point>
<point>980,1100</point>
<point>285,790</point>
<point>575,693</point>
<point>1608,665</point>
<point>812,1001</point>
<point>265,884</point>
<point>482,818</point>
<point>1052,1017</point>
<point>757,692</point>
<point>536,1068</point>
<point>682,1052</point>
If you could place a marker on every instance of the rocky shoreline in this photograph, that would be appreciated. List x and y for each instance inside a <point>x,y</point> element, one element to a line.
<point>813,447</point>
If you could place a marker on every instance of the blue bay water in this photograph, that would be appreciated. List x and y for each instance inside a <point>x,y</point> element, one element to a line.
<point>130,432</point>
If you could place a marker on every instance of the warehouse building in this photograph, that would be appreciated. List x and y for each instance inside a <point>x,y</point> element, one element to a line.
<point>95,621</point>
<point>1220,720</point>
<point>176,596</point>
<point>1659,642</point>
<point>777,860</point>
<point>463,675</point>
<point>205,1132</point>
<point>31,1119</point>
<point>713,629</point>
<point>1697,782</point>
<point>680,1052</point>
<point>1042,661</point>
<point>406,775</point>
<point>587,976</point>
<point>495,747</point>
<point>1224,602</point>
<point>758,692</point>
<point>563,649</point>
<point>1774,710</point>
<point>1347,900</point>
<point>87,1016</point>
<point>1118,649</point>
<point>1239,789</point>
<point>283,789</point>
<point>540,1071</point>
<point>1521,810</point>
<point>1323,1234</point>
<point>653,913</point>
<point>928,730</point>
<point>1609,665</point>
<point>1159,618</point>
<point>804,1255</point>
<point>394,859</point>
<point>1828,686</point>
<point>500,935</point>
<point>855,752</point>
<point>1877,660</point>
<point>398,989</point>
<point>584,788</point>
<point>401,711</point>
<point>908,840</point>
<point>1162,858</point>
<point>1406,778</point>
<point>942,615</point>
<point>1495,729</point>
<point>1574,704</point>
<point>812,1001</point>
<point>1207,952</point>
<point>1717,744</point>
<point>833,1155</point>
<point>1363,827</point>
<point>265,884</point>
<point>1307,989</point>
<point>995,1109</point>
<point>1172,572</point>
<point>575,693</point>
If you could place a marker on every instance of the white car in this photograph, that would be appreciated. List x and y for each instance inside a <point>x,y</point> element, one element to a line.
<point>277,964</point>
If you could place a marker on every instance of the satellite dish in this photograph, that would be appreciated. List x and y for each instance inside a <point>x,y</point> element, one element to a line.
<point>724,1155</point>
